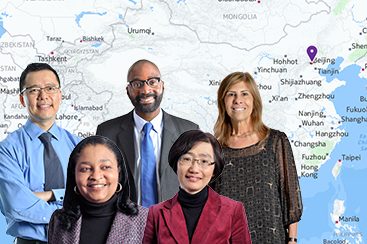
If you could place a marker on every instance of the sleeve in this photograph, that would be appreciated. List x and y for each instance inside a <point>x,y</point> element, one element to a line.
<point>240,230</point>
<point>98,131</point>
<point>59,195</point>
<point>149,233</point>
<point>197,127</point>
<point>105,130</point>
<point>18,203</point>
<point>289,186</point>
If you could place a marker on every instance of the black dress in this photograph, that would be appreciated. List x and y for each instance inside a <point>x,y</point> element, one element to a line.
<point>264,177</point>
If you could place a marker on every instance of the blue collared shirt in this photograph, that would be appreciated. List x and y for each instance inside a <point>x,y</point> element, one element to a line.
<point>22,173</point>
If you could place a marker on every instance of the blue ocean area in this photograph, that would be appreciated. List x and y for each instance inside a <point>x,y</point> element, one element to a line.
<point>319,195</point>
<point>2,30</point>
<point>97,44</point>
<point>335,66</point>
<point>81,15</point>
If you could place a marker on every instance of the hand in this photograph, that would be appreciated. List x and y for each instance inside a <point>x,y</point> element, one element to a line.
<point>47,196</point>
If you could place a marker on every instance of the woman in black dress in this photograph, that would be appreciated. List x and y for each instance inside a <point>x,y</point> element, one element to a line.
<point>260,170</point>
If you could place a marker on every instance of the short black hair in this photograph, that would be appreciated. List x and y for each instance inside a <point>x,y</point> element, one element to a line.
<point>71,205</point>
<point>33,67</point>
<point>187,140</point>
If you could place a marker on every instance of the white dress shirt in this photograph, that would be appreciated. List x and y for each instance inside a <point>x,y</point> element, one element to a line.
<point>156,135</point>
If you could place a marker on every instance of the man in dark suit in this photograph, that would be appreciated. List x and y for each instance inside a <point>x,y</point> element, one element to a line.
<point>145,90</point>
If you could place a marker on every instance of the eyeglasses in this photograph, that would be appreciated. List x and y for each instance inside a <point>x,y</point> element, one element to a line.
<point>37,90</point>
<point>188,160</point>
<point>153,82</point>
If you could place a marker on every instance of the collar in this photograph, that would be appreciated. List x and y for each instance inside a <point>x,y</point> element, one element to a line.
<point>34,131</point>
<point>107,208</point>
<point>192,200</point>
<point>156,122</point>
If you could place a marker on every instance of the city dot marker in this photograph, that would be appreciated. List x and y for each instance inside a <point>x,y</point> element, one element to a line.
<point>311,52</point>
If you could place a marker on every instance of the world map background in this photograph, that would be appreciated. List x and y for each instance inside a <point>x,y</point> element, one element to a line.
<point>320,105</point>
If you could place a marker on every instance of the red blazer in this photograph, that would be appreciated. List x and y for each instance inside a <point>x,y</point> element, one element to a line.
<point>222,220</point>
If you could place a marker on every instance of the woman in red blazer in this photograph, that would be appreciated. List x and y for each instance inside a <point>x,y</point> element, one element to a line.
<point>197,214</point>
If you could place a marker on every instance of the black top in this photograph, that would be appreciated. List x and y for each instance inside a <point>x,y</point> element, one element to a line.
<point>97,220</point>
<point>192,205</point>
<point>264,177</point>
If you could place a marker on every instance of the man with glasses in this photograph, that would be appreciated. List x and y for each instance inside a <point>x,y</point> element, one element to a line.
<point>34,158</point>
<point>146,134</point>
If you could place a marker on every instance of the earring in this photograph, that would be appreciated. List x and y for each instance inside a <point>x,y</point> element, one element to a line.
<point>119,188</point>
<point>76,190</point>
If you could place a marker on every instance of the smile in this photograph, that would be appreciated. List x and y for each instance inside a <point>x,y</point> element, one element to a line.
<point>96,185</point>
<point>238,109</point>
<point>44,105</point>
<point>146,100</point>
<point>193,178</point>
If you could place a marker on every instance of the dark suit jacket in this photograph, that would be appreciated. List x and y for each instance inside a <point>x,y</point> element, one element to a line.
<point>124,229</point>
<point>222,220</point>
<point>121,131</point>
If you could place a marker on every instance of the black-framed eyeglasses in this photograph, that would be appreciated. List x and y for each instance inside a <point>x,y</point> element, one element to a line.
<point>37,90</point>
<point>152,82</point>
<point>188,160</point>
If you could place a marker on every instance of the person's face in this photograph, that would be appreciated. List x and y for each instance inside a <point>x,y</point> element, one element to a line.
<point>239,102</point>
<point>145,99</point>
<point>192,177</point>
<point>97,173</point>
<point>42,106</point>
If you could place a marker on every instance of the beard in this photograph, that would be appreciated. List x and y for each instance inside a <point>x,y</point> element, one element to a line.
<point>146,108</point>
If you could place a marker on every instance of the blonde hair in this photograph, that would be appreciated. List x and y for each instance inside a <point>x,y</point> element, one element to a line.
<point>223,126</point>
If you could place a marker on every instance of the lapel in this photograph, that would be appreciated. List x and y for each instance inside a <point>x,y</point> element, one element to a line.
<point>125,140</point>
<point>175,220</point>
<point>119,229</point>
<point>169,136</point>
<point>207,218</point>
<point>114,235</point>
<point>74,233</point>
